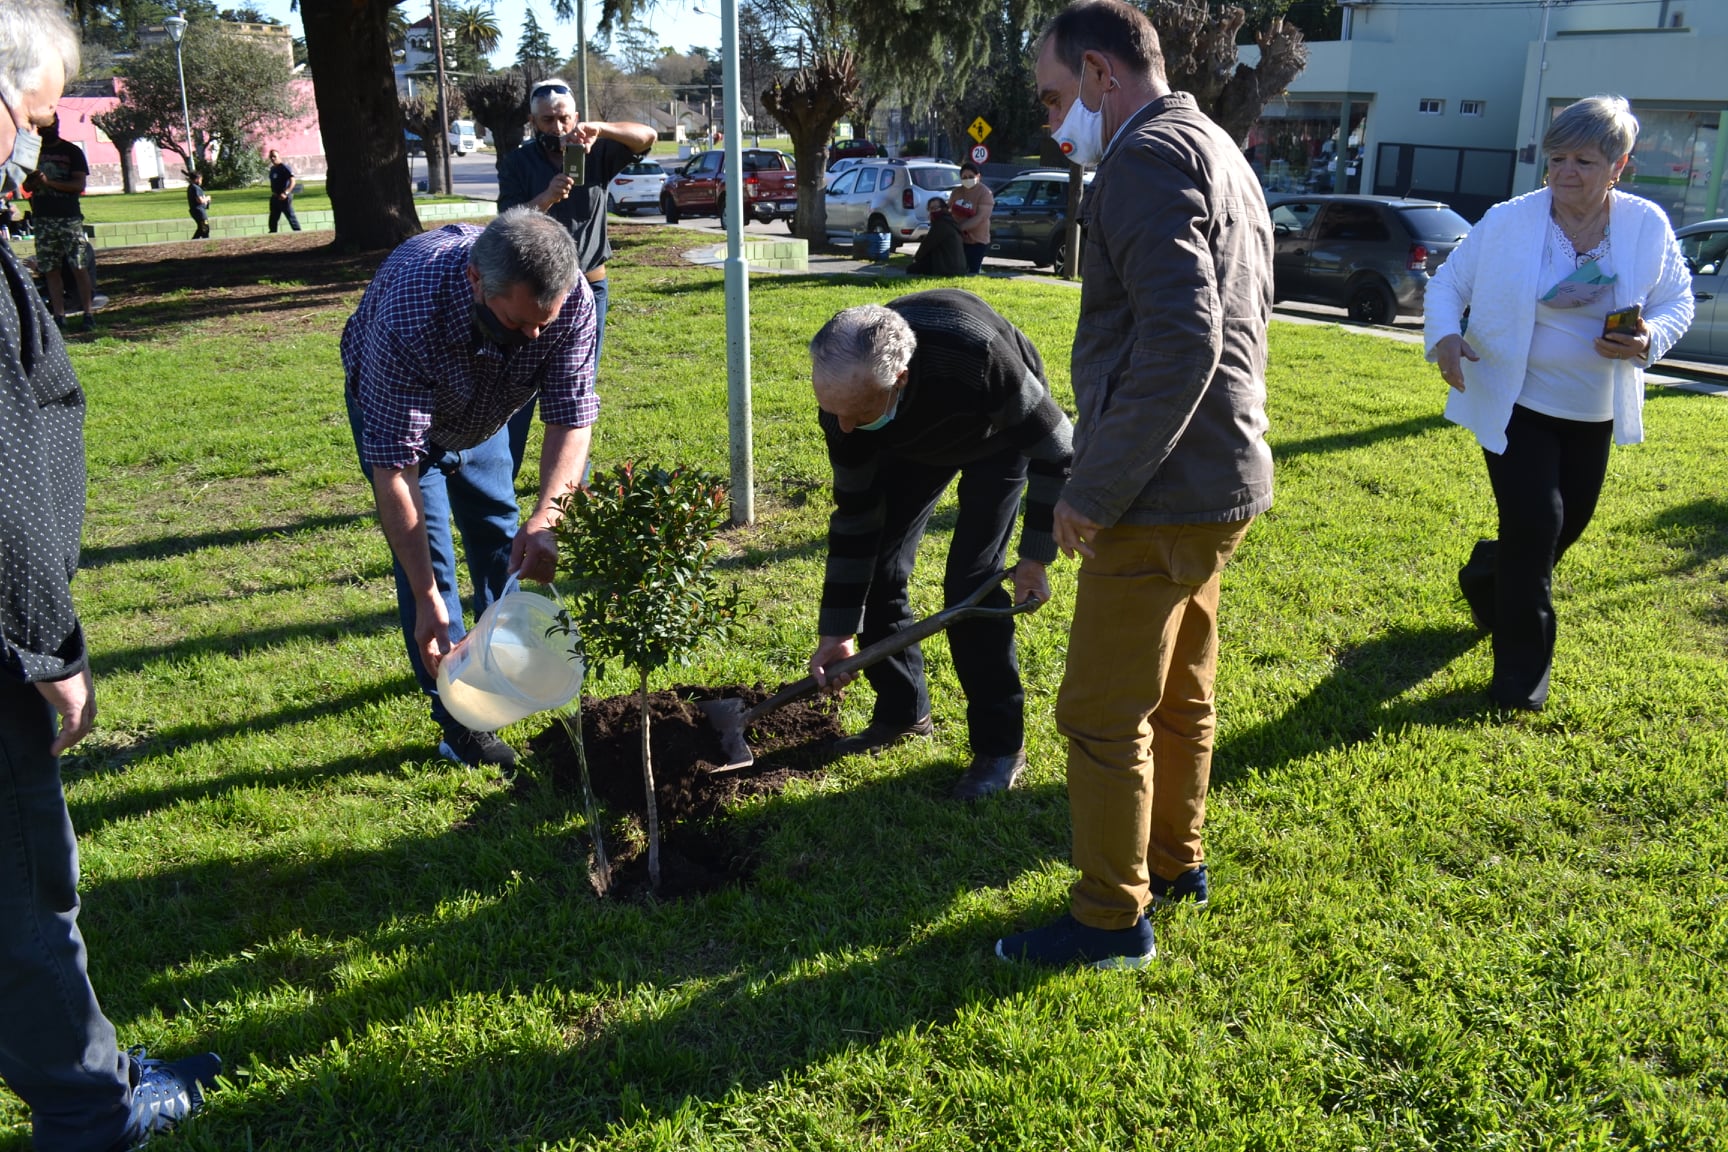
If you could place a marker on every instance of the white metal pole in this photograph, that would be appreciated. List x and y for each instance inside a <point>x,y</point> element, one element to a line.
<point>192,158</point>
<point>737,283</point>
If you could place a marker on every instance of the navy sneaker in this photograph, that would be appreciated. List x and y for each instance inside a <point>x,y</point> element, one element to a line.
<point>476,749</point>
<point>1190,886</point>
<point>167,1093</point>
<point>1068,942</point>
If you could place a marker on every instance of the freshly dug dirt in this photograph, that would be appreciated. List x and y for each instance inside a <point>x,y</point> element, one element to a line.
<point>700,849</point>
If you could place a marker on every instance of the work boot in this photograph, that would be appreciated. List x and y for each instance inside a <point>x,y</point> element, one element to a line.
<point>989,774</point>
<point>878,736</point>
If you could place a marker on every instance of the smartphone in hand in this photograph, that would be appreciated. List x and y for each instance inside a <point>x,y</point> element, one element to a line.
<point>575,162</point>
<point>1625,321</point>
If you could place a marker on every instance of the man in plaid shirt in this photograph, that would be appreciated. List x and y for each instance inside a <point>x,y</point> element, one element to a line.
<point>459,329</point>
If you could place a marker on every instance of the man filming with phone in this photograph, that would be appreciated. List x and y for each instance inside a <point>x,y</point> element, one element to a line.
<point>564,172</point>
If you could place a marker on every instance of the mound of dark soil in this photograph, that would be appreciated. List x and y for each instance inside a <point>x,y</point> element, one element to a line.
<point>700,848</point>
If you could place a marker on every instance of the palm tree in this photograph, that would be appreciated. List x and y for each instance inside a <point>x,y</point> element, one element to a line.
<point>476,28</point>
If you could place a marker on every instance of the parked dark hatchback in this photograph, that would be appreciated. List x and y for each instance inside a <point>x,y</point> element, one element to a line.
<point>1030,219</point>
<point>1372,255</point>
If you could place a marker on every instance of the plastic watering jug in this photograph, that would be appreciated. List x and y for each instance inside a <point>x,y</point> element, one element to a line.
<point>509,667</point>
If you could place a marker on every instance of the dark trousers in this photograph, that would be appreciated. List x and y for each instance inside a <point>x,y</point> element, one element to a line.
<point>1546,485</point>
<point>469,491</point>
<point>975,257</point>
<point>57,1050</point>
<point>983,650</point>
<point>281,208</point>
<point>524,419</point>
<point>201,226</point>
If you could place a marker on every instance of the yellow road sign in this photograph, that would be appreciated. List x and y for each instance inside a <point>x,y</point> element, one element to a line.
<point>980,129</point>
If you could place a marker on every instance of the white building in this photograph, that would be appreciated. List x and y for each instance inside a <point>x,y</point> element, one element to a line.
<point>1443,98</point>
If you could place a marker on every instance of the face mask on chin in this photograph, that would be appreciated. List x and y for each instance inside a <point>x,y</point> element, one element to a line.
<point>550,141</point>
<point>26,152</point>
<point>1081,136</point>
<point>489,328</point>
<point>881,421</point>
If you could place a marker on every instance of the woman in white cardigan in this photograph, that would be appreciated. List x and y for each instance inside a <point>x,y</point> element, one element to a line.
<point>1540,379</point>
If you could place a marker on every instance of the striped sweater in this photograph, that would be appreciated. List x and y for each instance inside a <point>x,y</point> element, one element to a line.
<point>975,387</point>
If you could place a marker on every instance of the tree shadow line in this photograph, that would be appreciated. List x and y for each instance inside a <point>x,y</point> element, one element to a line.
<point>163,547</point>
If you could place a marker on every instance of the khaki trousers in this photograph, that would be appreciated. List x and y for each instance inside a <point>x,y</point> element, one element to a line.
<point>1136,706</point>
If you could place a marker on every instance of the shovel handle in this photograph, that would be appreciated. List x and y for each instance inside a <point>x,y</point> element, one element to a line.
<point>890,645</point>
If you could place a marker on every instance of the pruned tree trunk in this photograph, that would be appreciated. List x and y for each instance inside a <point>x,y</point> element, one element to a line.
<point>653,805</point>
<point>128,166</point>
<point>348,50</point>
<point>1200,58</point>
<point>808,103</point>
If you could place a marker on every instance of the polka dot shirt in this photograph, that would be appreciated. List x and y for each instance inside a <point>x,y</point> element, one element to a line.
<point>41,486</point>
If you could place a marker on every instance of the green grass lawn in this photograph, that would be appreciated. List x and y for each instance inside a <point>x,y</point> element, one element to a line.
<point>1432,928</point>
<point>170,204</point>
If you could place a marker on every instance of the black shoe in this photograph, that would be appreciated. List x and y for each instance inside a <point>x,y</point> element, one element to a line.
<point>60,323</point>
<point>1476,582</point>
<point>989,774</point>
<point>1190,886</point>
<point>878,736</point>
<point>477,749</point>
<point>89,324</point>
<point>1068,942</point>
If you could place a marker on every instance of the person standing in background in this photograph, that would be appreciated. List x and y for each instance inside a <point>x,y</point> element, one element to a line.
<point>196,203</point>
<point>971,204</point>
<point>283,185</point>
<point>56,188</point>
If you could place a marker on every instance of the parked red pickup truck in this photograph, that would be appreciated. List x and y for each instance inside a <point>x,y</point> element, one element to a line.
<point>699,187</point>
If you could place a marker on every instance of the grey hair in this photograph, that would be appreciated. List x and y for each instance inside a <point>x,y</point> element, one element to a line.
<point>868,336</point>
<point>548,99</point>
<point>1604,123</point>
<point>523,246</point>
<point>33,32</point>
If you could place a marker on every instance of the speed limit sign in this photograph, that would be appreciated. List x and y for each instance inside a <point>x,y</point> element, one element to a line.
<point>980,153</point>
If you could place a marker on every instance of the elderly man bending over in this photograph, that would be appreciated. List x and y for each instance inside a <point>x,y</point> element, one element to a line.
<point>933,386</point>
<point>458,331</point>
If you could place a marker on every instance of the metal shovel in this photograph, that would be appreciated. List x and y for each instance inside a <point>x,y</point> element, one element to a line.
<point>731,719</point>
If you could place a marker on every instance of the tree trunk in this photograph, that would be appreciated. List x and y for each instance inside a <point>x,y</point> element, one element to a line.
<point>128,166</point>
<point>436,166</point>
<point>1200,58</point>
<point>348,50</point>
<point>653,805</point>
<point>808,103</point>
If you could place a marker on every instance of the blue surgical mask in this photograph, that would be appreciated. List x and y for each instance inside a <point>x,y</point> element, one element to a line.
<point>881,421</point>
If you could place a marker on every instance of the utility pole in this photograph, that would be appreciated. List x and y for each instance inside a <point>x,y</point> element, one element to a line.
<point>737,287</point>
<point>581,59</point>
<point>443,134</point>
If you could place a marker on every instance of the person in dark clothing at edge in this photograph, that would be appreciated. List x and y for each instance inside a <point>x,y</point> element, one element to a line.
<point>197,204</point>
<point>58,1051</point>
<point>942,252</point>
<point>933,386</point>
<point>283,185</point>
<point>534,175</point>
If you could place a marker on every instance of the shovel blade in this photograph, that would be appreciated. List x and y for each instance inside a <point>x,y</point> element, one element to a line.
<point>726,717</point>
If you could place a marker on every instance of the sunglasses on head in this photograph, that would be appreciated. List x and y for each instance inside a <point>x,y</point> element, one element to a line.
<point>555,89</point>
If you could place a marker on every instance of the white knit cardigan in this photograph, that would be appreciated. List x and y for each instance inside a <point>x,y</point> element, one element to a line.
<point>1494,273</point>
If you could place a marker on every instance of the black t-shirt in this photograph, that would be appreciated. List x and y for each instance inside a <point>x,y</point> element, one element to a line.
<point>61,160</point>
<point>526,172</point>
<point>281,179</point>
<point>195,199</point>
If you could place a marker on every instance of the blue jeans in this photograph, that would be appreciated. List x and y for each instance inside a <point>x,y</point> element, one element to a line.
<point>475,489</point>
<point>975,257</point>
<point>57,1050</point>
<point>520,422</point>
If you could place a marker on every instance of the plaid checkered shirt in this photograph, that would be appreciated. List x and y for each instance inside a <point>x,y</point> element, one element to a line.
<point>424,377</point>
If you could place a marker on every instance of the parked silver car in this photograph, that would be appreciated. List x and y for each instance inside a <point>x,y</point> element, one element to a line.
<point>1705,246</point>
<point>1372,255</point>
<point>888,196</point>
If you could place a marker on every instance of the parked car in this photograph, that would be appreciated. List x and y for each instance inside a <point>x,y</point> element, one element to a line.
<point>698,188</point>
<point>888,196</point>
<point>1705,246</point>
<point>1030,219</point>
<point>1371,255</point>
<point>837,167</point>
<point>858,148</point>
<point>636,188</point>
<point>462,139</point>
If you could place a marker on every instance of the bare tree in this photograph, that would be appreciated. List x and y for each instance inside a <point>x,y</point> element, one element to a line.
<point>1200,58</point>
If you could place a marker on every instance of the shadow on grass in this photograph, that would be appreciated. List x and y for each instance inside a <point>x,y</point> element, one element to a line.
<point>1358,438</point>
<point>827,950</point>
<point>240,643</point>
<point>162,547</point>
<point>1355,701</point>
<point>1699,527</point>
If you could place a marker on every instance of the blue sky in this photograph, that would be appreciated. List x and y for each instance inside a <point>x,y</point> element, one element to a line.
<point>676,22</point>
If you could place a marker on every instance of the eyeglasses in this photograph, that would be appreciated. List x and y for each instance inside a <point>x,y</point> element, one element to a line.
<point>555,89</point>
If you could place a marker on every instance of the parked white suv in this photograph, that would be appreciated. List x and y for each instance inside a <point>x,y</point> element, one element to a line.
<point>888,196</point>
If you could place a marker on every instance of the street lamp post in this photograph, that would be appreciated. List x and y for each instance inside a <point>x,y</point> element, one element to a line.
<point>176,25</point>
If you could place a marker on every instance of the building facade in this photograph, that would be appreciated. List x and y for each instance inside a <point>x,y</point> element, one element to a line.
<point>1445,99</point>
